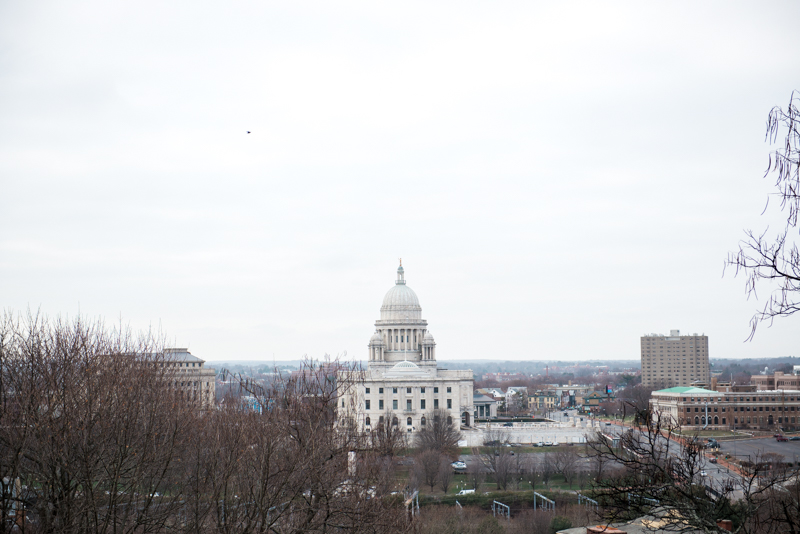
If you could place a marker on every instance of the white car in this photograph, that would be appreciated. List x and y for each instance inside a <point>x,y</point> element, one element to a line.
<point>703,474</point>
<point>466,492</point>
<point>459,465</point>
<point>548,444</point>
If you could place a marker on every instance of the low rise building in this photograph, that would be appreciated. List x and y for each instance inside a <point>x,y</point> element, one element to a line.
<point>777,380</point>
<point>485,407</point>
<point>699,408</point>
<point>543,400</point>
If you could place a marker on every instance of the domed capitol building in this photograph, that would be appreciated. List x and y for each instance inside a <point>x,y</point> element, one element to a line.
<point>402,383</point>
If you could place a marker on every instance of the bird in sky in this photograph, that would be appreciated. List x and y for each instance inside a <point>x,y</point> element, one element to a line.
<point>248,131</point>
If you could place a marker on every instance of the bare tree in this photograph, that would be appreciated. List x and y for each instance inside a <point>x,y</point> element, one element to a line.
<point>660,474</point>
<point>94,426</point>
<point>440,433</point>
<point>476,474</point>
<point>387,438</point>
<point>503,469</point>
<point>566,461</point>
<point>495,437</point>
<point>427,464</point>
<point>776,260</point>
<point>533,469</point>
<point>546,469</point>
<point>445,473</point>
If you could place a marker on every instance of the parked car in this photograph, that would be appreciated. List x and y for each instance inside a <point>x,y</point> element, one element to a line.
<point>508,424</point>
<point>713,460</point>
<point>466,492</point>
<point>777,435</point>
<point>459,465</point>
<point>794,438</point>
<point>781,438</point>
<point>540,444</point>
<point>548,444</point>
<point>703,474</point>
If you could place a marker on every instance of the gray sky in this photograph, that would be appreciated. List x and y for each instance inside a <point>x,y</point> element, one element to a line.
<point>559,178</point>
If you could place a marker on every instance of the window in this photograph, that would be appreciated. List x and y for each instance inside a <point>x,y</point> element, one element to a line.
<point>366,404</point>
<point>435,404</point>
<point>448,390</point>
<point>394,404</point>
<point>449,404</point>
<point>366,391</point>
<point>436,390</point>
<point>422,421</point>
<point>380,390</point>
<point>394,421</point>
<point>422,404</point>
<point>366,421</point>
<point>342,403</point>
<point>394,390</point>
<point>422,390</point>
<point>408,390</point>
<point>408,421</point>
<point>380,404</point>
<point>449,420</point>
<point>380,420</point>
<point>408,405</point>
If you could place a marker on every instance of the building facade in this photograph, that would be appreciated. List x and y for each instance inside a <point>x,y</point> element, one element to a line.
<point>188,374</point>
<point>775,381</point>
<point>543,400</point>
<point>402,384</point>
<point>699,408</point>
<point>674,360</point>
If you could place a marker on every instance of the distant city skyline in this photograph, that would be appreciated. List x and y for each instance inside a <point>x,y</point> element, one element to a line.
<point>559,180</point>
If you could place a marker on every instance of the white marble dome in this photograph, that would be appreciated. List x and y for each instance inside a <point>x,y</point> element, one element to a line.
<point>400,302</point>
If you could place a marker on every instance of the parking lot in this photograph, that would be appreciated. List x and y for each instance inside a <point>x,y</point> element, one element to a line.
<point>744,448</point>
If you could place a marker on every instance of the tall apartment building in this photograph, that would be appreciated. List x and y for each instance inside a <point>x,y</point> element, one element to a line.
<point>675,360</point>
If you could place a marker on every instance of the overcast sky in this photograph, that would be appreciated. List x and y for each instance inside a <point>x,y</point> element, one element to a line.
<point>559,178</point>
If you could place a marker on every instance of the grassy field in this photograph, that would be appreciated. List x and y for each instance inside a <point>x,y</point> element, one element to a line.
<point>557,483</point>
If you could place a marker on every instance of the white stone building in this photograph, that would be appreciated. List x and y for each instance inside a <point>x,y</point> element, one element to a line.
<point>402,383</point>
<point>187,374</point>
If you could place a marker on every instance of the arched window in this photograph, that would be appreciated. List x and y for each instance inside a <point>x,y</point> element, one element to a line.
<point>696,420</point>
<point>408,421</point>
<point>449,420</point>
<point>716,420</point>
<point>380,421</point>
<point>367,421</point>
<point>422,422</point>
<point>394,421</point>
